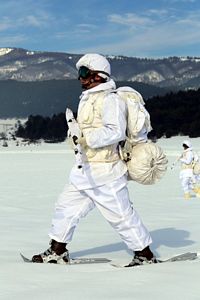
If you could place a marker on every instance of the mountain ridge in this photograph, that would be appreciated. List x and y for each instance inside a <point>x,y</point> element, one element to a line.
<point>26,65</point>
<point>45,83</point>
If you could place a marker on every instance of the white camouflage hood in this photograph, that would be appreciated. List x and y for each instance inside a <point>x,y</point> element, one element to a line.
<point>187,143</point>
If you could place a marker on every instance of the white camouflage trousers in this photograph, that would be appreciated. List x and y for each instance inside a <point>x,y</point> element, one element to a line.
<point>113,202</point>
<point>187,184</point>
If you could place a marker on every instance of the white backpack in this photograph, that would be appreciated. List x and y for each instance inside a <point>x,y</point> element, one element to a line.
<point>196,164</point>
<point>146,161</point>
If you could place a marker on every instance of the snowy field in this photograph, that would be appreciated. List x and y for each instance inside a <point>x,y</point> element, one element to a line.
<point>31,178</point>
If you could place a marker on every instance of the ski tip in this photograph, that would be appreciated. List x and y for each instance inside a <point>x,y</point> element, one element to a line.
<point>182,257</point>
<point>25,259</point>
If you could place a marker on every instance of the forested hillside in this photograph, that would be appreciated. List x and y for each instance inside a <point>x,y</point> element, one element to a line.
<point>171,115</point>
<point>46,98</point>
<point>175,114</point>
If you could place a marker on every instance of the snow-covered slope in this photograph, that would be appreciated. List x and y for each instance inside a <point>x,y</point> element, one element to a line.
<point>31,179</point>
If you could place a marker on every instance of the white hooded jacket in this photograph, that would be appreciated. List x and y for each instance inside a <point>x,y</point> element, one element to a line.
<point>186,161</point>
<point>111,133</point>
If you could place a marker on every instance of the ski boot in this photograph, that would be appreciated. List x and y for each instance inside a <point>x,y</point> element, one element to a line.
<point>197,191</point>
<point>144,256</point>
<point>56,254</point>
<point>187,196</point>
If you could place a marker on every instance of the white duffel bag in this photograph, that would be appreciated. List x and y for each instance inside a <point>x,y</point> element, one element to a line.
<point>148,163</point>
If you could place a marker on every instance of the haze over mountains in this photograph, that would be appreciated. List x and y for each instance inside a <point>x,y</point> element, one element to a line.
<point>32,79</point>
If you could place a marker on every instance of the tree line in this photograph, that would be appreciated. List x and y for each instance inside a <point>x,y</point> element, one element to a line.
<point>171,115</point>
<point>50,129</point>
<point>175,114</point>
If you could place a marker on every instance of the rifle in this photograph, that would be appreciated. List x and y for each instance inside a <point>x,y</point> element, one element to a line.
<point>74,133</point>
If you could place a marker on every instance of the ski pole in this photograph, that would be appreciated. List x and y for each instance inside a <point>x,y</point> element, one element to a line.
<point>175,162</point>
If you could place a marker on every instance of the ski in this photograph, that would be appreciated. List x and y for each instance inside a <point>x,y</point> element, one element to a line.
<point>96,260</point>
<point>76,261</point>
<point>181,257</point>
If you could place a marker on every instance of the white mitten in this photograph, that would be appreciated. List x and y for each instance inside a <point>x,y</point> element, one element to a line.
<point>82,141</point>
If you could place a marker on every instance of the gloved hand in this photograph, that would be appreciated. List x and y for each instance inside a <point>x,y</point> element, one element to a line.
<point>82,141</point>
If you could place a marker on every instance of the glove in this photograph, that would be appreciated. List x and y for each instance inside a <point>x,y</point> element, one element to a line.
<point>82,141</point>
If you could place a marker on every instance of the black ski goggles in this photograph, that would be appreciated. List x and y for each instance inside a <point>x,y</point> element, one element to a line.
<point>84,72</point>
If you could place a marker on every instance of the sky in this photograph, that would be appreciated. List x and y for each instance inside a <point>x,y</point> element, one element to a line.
<point>156,28</point>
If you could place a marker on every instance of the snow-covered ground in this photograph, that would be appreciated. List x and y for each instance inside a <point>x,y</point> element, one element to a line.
<point>31,178</point>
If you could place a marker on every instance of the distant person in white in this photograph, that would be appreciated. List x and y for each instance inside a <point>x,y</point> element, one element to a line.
<point>188,179</point>
<point>102,180</point>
